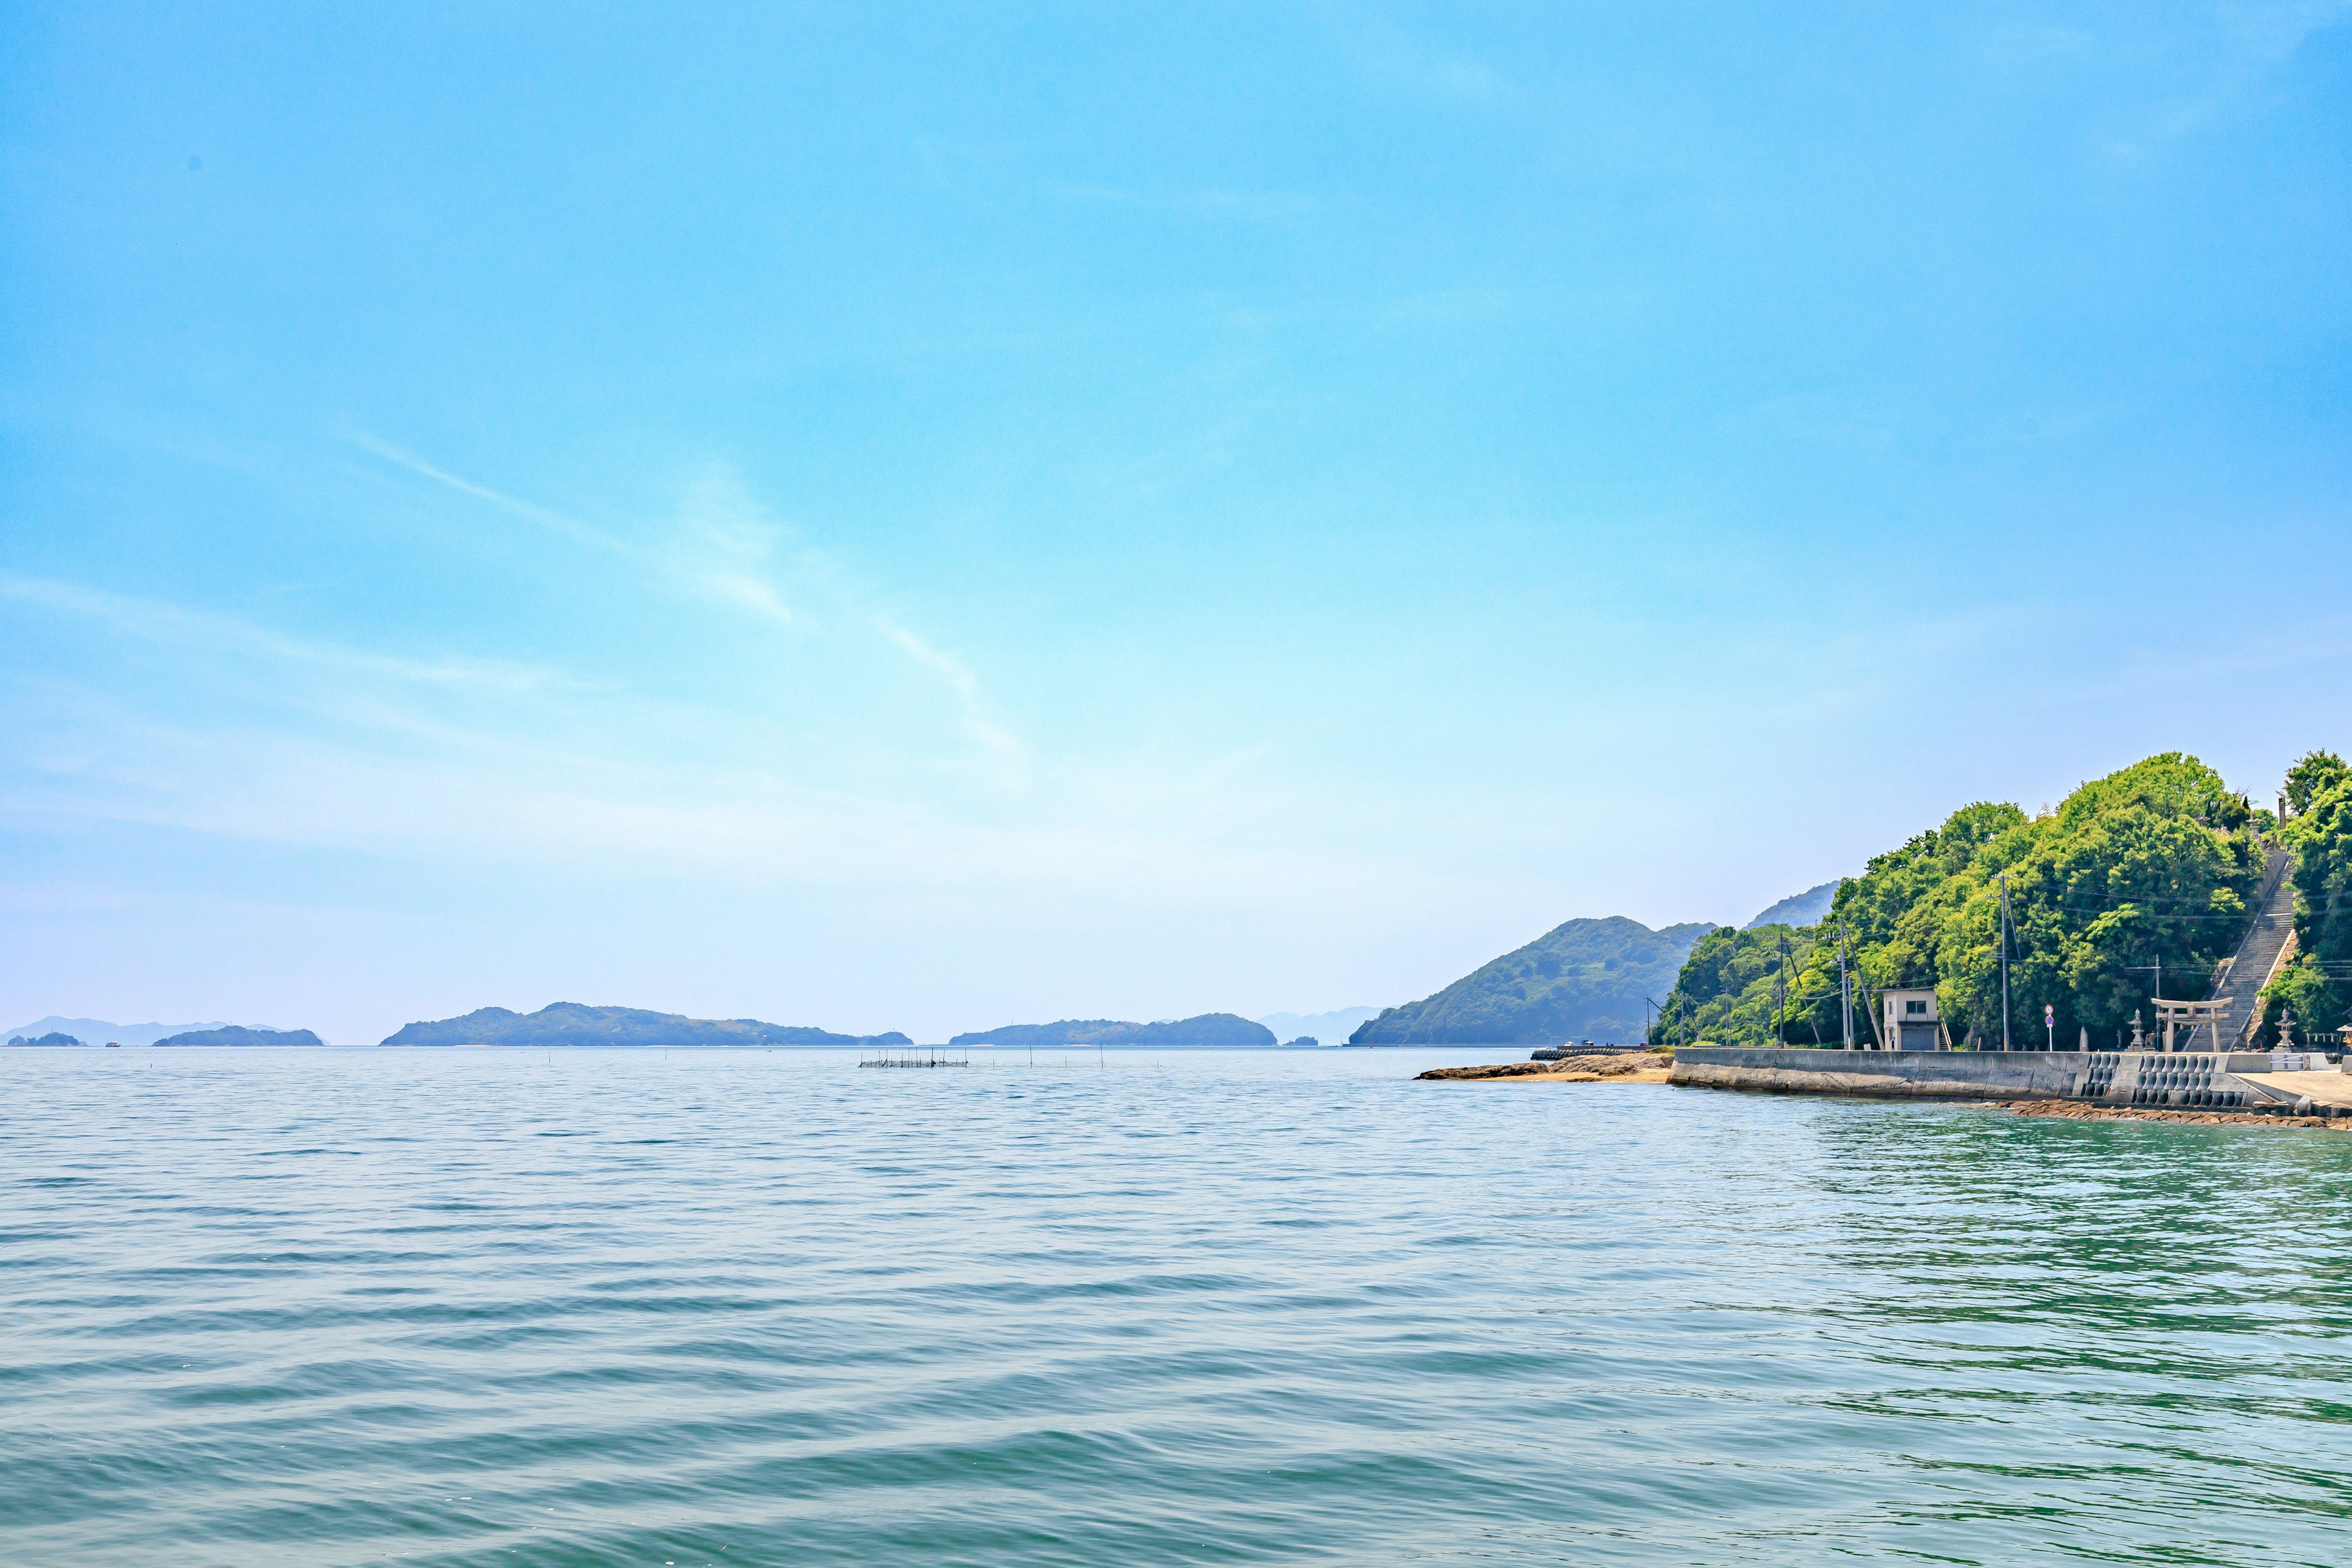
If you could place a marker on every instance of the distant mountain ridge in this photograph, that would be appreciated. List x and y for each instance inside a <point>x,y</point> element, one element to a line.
<point>578,1024</point>
<point>1804,909</point>
<point>1585,979</point>
<point>1208,1029</point>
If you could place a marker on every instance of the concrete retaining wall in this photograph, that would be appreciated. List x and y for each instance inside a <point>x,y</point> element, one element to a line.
<point>1960,1075</point>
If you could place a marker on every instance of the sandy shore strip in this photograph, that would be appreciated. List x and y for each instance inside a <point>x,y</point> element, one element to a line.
<point>2080,1111</point>
<point>1619,1066</point>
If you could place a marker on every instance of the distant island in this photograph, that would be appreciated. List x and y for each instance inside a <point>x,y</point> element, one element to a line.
<point>576,1023</point>
<point>1586,978</point>
<point>51,1039</point>
<point>237,1035</point>
<point>1336,1024</point>
<point>1208,1029</point>
<point>93,1031</point>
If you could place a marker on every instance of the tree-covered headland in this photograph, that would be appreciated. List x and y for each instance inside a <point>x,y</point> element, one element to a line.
<point>2156,866</point>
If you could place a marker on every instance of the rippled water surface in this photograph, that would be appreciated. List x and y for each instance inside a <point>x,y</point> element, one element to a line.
<point>500,1307</point>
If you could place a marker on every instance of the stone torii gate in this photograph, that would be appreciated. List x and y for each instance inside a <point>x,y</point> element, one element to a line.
<point>2187,1016</point>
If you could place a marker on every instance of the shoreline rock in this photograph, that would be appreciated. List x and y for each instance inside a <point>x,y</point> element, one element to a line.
<point>2083,1110</point>
<point>1618,1066</point>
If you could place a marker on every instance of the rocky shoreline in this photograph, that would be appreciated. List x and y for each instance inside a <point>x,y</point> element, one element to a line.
<point>2083,1110</point>
<point>1618,1066</point>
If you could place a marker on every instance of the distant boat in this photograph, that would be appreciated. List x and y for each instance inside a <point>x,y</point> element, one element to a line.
<point>114,1044</point>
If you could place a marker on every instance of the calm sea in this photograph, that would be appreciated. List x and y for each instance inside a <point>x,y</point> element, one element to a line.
<point>708,1308</point>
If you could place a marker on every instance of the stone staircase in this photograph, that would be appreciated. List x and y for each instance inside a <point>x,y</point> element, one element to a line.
<point>2241,979</point>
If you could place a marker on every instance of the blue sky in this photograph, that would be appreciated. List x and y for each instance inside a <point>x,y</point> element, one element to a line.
<point>931,517</point>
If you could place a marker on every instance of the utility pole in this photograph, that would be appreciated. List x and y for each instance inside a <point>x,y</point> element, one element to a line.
<point>2049,1023</point>
<point>2004,961</point>
<point>1845,989</point>
<point>1780,993</point>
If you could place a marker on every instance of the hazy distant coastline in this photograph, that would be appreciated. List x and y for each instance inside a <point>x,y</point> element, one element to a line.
<point>1207,1029</point>
<point>1585,978</point>
<point>577,1023</point>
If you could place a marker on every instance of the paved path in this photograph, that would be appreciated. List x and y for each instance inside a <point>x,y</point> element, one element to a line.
<point>2325,1087</point>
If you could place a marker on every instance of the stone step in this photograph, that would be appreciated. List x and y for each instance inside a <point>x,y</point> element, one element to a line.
<point>2258,952</point>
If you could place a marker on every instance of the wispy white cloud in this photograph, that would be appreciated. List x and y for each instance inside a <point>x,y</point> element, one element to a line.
<point>2251,41</point>
<point>1395,58</point>
<point>156,620</point>
<point>725,547</point>
<point>979,722</point>
<point>602,781</point>
<point>1211,203</point>
<point>554,521</point>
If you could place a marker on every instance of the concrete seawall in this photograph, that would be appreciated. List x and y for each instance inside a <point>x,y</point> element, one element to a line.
<point>2113,1077</point>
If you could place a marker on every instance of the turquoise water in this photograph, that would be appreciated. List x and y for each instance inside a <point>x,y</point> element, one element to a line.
<point>491,1307</point>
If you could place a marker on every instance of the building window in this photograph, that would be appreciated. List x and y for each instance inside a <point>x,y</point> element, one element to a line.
<point>1915,1007</point>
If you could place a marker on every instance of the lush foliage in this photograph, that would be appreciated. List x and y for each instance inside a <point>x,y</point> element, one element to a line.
<point>2315,774</point>
<point>1584,980</point>
<point>1208,1029</point>
<point>573,1024</point>
<point>2152,864</point>
<point>2315,986</point>
<point>1725,991</point>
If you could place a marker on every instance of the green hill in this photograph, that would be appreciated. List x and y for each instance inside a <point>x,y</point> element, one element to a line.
<point>1583,980</point>
<point>237,1035</point>
<point>1208,1029</point>
<point>575,1024</point>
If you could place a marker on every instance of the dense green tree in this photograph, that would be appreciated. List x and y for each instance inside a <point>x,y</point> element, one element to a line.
<point>2154,864</point>
<point>2134,870</point>
<point>2317,986</point>
<point>1725,991</point>
<point>2315,774</point>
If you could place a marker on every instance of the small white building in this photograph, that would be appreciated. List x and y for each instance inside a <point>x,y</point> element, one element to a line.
<point>1911,1023</point>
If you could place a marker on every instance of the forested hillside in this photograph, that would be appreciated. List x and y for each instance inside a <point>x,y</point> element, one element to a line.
<point>1584,980</point>
<point>2155,863</point>
<point>2315,986</point>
